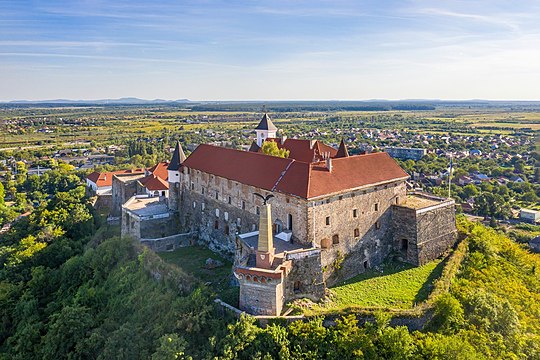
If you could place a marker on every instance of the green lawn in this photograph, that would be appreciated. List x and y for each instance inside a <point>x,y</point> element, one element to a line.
<point>399,286</point>
<point>192,259</point>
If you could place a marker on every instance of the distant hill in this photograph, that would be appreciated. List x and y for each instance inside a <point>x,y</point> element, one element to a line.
<point>121,101</point>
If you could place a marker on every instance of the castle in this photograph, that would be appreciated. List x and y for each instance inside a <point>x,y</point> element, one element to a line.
<point>296,225</point>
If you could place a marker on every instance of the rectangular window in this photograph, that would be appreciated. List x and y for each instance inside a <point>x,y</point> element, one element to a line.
<point>377,207</point>
<point>356,232</point>
<point>328,220</point>
<point>243,205</point>
<point>230,200</point>
<point>217,195</point>
<point>202,190</point>
<point>355,213</point>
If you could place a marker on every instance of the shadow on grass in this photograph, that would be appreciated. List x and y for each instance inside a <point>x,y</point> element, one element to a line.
<point>427,287</point>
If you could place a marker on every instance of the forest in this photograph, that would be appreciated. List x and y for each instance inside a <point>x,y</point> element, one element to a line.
<point>71,289</point>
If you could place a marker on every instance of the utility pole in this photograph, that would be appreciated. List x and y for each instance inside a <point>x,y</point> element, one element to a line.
<point>450,177</point>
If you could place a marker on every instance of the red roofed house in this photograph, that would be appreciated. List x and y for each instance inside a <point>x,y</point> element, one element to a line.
<point>329,210</point>
<point>101,183</point>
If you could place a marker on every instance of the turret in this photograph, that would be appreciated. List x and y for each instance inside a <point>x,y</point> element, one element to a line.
<point>173,170</point>
<point>266,129</point>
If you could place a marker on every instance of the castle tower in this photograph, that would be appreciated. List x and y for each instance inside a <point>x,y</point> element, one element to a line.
<point>265,245</point>
<point>173,170</point>
<point>266,129</point>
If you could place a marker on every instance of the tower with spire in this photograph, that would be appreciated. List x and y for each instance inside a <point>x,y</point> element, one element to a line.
<point>174,169</point>
<point>266,129</point>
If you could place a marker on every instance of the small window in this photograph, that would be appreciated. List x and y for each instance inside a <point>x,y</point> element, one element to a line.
<point>258,211</point>
<point>202,206</point>
<point>397,200</point>
<point>356,232</point>
<point>287,200</point>
<point>202,190</point>
<point>355,213</point>
<point>377,225</point>
<point>229,200</point>
<point>243,205</point>
<point>194,204</point>
<point>289,221</point>
<point>335,239</point>
<point>366,265</point>
<point>404,245</point>
<point>216,224</point>
<point>376,207</point>
<point>296,286</point>
<point>217,195</point>
<point>328,220</point>
<point>163,193</point>
<point>226,229</point>
<point>192,186</point>
<point>340,197</point>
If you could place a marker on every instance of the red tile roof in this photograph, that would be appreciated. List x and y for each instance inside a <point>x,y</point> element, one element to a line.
<point>289,176</point>
<point>154,183</point>
<point>105,178</point>
<point>160,170</point>
<point>305,150</point>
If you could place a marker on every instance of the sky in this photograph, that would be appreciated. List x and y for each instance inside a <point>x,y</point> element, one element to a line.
<point>270,50</point>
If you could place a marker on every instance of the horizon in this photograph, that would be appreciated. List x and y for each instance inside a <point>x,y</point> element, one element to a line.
<point>272,51</point>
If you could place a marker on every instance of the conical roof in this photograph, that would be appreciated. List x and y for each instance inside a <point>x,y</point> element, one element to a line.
<point>266,124</point>
<point>342,151</point>
<point>178,158</point>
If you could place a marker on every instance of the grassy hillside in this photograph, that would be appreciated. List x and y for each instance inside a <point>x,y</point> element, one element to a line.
<point>398,285</point>
<point>63,295</point>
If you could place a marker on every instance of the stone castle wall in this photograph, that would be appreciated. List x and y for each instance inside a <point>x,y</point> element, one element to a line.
<point>219,208</point>
<point>359,231</point>
<point>305,279</point>
<point>260,295</point>
<point>425,234</point>
<point>436,232</point>
<point>122,190</point>
<point>134,226</point>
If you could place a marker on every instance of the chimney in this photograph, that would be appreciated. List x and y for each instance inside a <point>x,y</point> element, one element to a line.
<point>329,164</point>
<point>265,245</point>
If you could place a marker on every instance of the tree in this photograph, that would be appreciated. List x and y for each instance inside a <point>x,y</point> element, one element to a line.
<point>2,194</point>
<point>271,148</point>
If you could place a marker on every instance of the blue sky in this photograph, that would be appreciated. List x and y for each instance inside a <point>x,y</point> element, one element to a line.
<point>269,50</point>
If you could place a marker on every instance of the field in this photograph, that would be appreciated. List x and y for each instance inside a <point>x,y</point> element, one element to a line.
<point>192,260</point>
<point>398,286</point>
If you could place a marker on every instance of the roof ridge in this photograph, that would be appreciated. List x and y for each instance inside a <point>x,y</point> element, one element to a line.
<point>282,175</point>
<point>243,151</point>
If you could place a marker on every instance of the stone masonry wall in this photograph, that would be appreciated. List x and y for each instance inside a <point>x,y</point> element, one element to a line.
<point>404,223</point>
<point>358,232</point>
<point>122,191</point>
<point>170,243</point>
<point>258,298</point>
<point>212,205</point>
<point>306,278</point>
<point>428,232</point>
<point>436,232</point>
<point>133,226</point>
